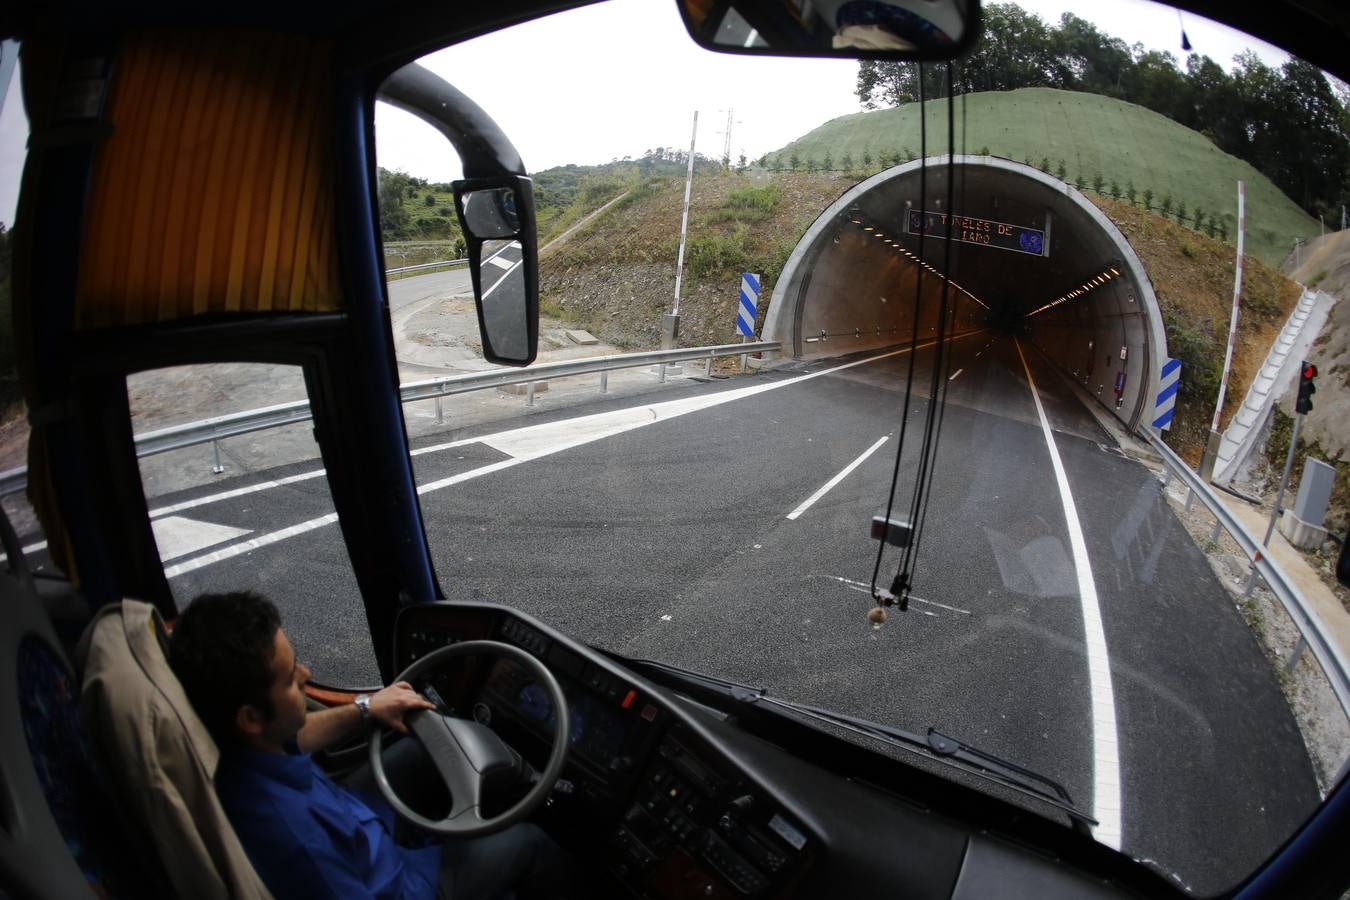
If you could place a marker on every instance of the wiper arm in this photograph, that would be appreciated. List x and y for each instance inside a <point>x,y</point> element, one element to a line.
<point>947,748</point>
<point>934,746</point>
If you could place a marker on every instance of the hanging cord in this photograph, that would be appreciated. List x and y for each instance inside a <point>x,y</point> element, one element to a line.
<point>913,559</point>
<point>882,599</point>
<point>937,382</point>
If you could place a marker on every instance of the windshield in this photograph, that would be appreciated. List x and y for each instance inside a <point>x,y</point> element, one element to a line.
<point>915,501</point>
<point>1064,609</point>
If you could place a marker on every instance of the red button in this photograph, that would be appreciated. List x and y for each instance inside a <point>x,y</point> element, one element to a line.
<point>628,699</point>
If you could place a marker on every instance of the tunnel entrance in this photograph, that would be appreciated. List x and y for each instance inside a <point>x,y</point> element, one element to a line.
<point>1030,256</point>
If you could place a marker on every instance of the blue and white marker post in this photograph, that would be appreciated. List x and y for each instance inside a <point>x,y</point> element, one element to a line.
<point>1169,380</point>
<point>745,310</point>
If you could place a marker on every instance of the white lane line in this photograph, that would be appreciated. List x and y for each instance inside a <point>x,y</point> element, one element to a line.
<point>501,263</point>
<point>535,441</point>
<point>505,275</point>
<point>230,495</point>
<point>1105,745</point>
<point>825,488</point>
<point>243,547</point>
<point>954,374</point>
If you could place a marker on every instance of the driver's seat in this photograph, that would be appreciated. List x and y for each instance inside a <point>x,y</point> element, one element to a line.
<point>159,756</point>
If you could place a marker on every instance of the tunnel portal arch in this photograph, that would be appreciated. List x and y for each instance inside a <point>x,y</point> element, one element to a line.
<point>1086,300</point>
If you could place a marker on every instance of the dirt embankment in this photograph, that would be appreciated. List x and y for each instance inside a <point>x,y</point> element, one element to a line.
<point>1192,277</point>
<point>617,276</point>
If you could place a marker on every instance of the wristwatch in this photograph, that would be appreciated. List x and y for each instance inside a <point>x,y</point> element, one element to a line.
<point>362,702</point>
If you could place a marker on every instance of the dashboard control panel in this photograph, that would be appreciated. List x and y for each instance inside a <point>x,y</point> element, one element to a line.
<point>691,822</point>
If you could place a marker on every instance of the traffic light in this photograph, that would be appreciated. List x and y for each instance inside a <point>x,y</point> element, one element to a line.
<point>1306,388</point>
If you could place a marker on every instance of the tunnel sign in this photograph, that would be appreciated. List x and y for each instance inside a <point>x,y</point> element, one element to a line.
<point>978,231</point>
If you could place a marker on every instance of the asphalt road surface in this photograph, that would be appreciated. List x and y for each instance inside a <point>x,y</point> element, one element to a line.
<point>682,528</point>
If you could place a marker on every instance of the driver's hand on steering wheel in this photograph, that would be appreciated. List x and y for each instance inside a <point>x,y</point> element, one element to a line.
<point>389,705</point>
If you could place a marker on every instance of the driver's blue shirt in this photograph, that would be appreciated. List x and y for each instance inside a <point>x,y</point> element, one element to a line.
<point>308,837</point>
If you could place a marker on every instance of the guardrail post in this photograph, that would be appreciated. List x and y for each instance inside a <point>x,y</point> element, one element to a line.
<point>1190,499</point>
<point>604,382</point>
<point>1251,583</point>
<point>1296,655</point>
<point>215,450</point>
<point>1167,476</point>
<point>662,370</point>
<point>529,394</point>
<point>440,415</point>
<point>1218,527</point>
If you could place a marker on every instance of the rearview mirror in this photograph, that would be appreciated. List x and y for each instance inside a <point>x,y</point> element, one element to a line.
<point>850,29</point>
<point>497,216</point>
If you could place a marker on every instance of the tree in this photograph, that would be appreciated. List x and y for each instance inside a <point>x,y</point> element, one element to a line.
<point>1045,165</point>
<point>393,217</point>
<point>1212,227</point>
<point>1223,231</point>
<point>1130,192</point>
<point>1148,198</point>
<point>1199,219</point>
<point>811,164</point>
<point>828,164</point>
<point>847,161</point>
<point>429,200</point>
<point>742,164</point>
<point>1097,182</point>
<point>867,158</point>
<point>1166,205</point>
<point>1181,212</point>
<point>1115,189</point>
<point>1061,171</point>
<point>794,161</point>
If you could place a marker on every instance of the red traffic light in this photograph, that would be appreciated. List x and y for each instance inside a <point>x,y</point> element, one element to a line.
<point>1309,371</point>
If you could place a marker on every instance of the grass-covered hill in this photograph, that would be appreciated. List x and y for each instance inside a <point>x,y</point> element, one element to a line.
<point>1081,138</point>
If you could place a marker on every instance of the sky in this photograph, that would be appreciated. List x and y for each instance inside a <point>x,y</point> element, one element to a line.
<point>622,77</point>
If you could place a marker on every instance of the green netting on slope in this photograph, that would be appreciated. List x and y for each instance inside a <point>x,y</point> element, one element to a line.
<point>1092,135</point>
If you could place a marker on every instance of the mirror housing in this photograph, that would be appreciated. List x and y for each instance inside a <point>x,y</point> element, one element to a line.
<point>508,307</point>
<point>497,217</point>
<point>923,30</point>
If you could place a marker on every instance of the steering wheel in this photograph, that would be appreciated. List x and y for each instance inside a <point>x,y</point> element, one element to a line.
<point>468,754</point>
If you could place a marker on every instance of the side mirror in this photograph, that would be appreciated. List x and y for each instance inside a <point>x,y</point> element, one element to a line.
<point>850,29</point>
<point>497,216</point>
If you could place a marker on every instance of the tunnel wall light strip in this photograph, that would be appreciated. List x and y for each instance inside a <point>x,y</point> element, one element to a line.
<point>868,227</point>
<point>1093,282</point>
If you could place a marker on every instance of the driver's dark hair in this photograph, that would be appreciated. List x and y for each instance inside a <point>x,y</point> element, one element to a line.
<point>221,649</point>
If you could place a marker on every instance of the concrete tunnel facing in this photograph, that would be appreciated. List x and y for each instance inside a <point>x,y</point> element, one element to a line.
<point>1072,284</point>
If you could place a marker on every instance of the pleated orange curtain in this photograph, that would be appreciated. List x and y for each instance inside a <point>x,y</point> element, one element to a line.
<point>214,191</point>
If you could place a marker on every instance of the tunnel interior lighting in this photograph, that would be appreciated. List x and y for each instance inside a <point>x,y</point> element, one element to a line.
<point>1093,282</point>
<point>861,221</point>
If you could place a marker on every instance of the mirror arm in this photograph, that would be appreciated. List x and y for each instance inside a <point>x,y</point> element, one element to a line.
<point>483,147</point>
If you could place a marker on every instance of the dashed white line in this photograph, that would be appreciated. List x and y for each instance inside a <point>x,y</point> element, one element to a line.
<point>825,488</point>
<point>954,374</point>
<point>1105,744</point>
<point>522,445</point>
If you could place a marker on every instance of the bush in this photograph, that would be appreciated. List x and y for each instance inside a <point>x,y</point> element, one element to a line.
<point>717,254</point>
<point>1187,250</point>
<point>1317,279</point>
<point>444,212</point>
<point>1131,193</point>
<point>1060,171</point>
<point>764,198</point>
<point>1115,189</point>
<point>1097,182</point>
<point>1181,212</point>
<point>1148,198</point>
<point>429,199</point>
<point>1045,165</point>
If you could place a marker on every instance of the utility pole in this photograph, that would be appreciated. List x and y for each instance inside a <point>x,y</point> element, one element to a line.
<point>670,327</point>
<point>726,144</point>
<point>1212,445</point>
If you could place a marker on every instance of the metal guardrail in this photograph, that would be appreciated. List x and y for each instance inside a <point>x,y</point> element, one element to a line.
<point>431,265</point>
<point>1312,631</point>
<point>212,430</point>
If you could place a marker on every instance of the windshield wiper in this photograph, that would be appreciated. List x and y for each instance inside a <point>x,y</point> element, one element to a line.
<point>935,745</point>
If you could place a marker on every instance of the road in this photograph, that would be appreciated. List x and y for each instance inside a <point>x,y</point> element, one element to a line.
<point>663,531</point>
